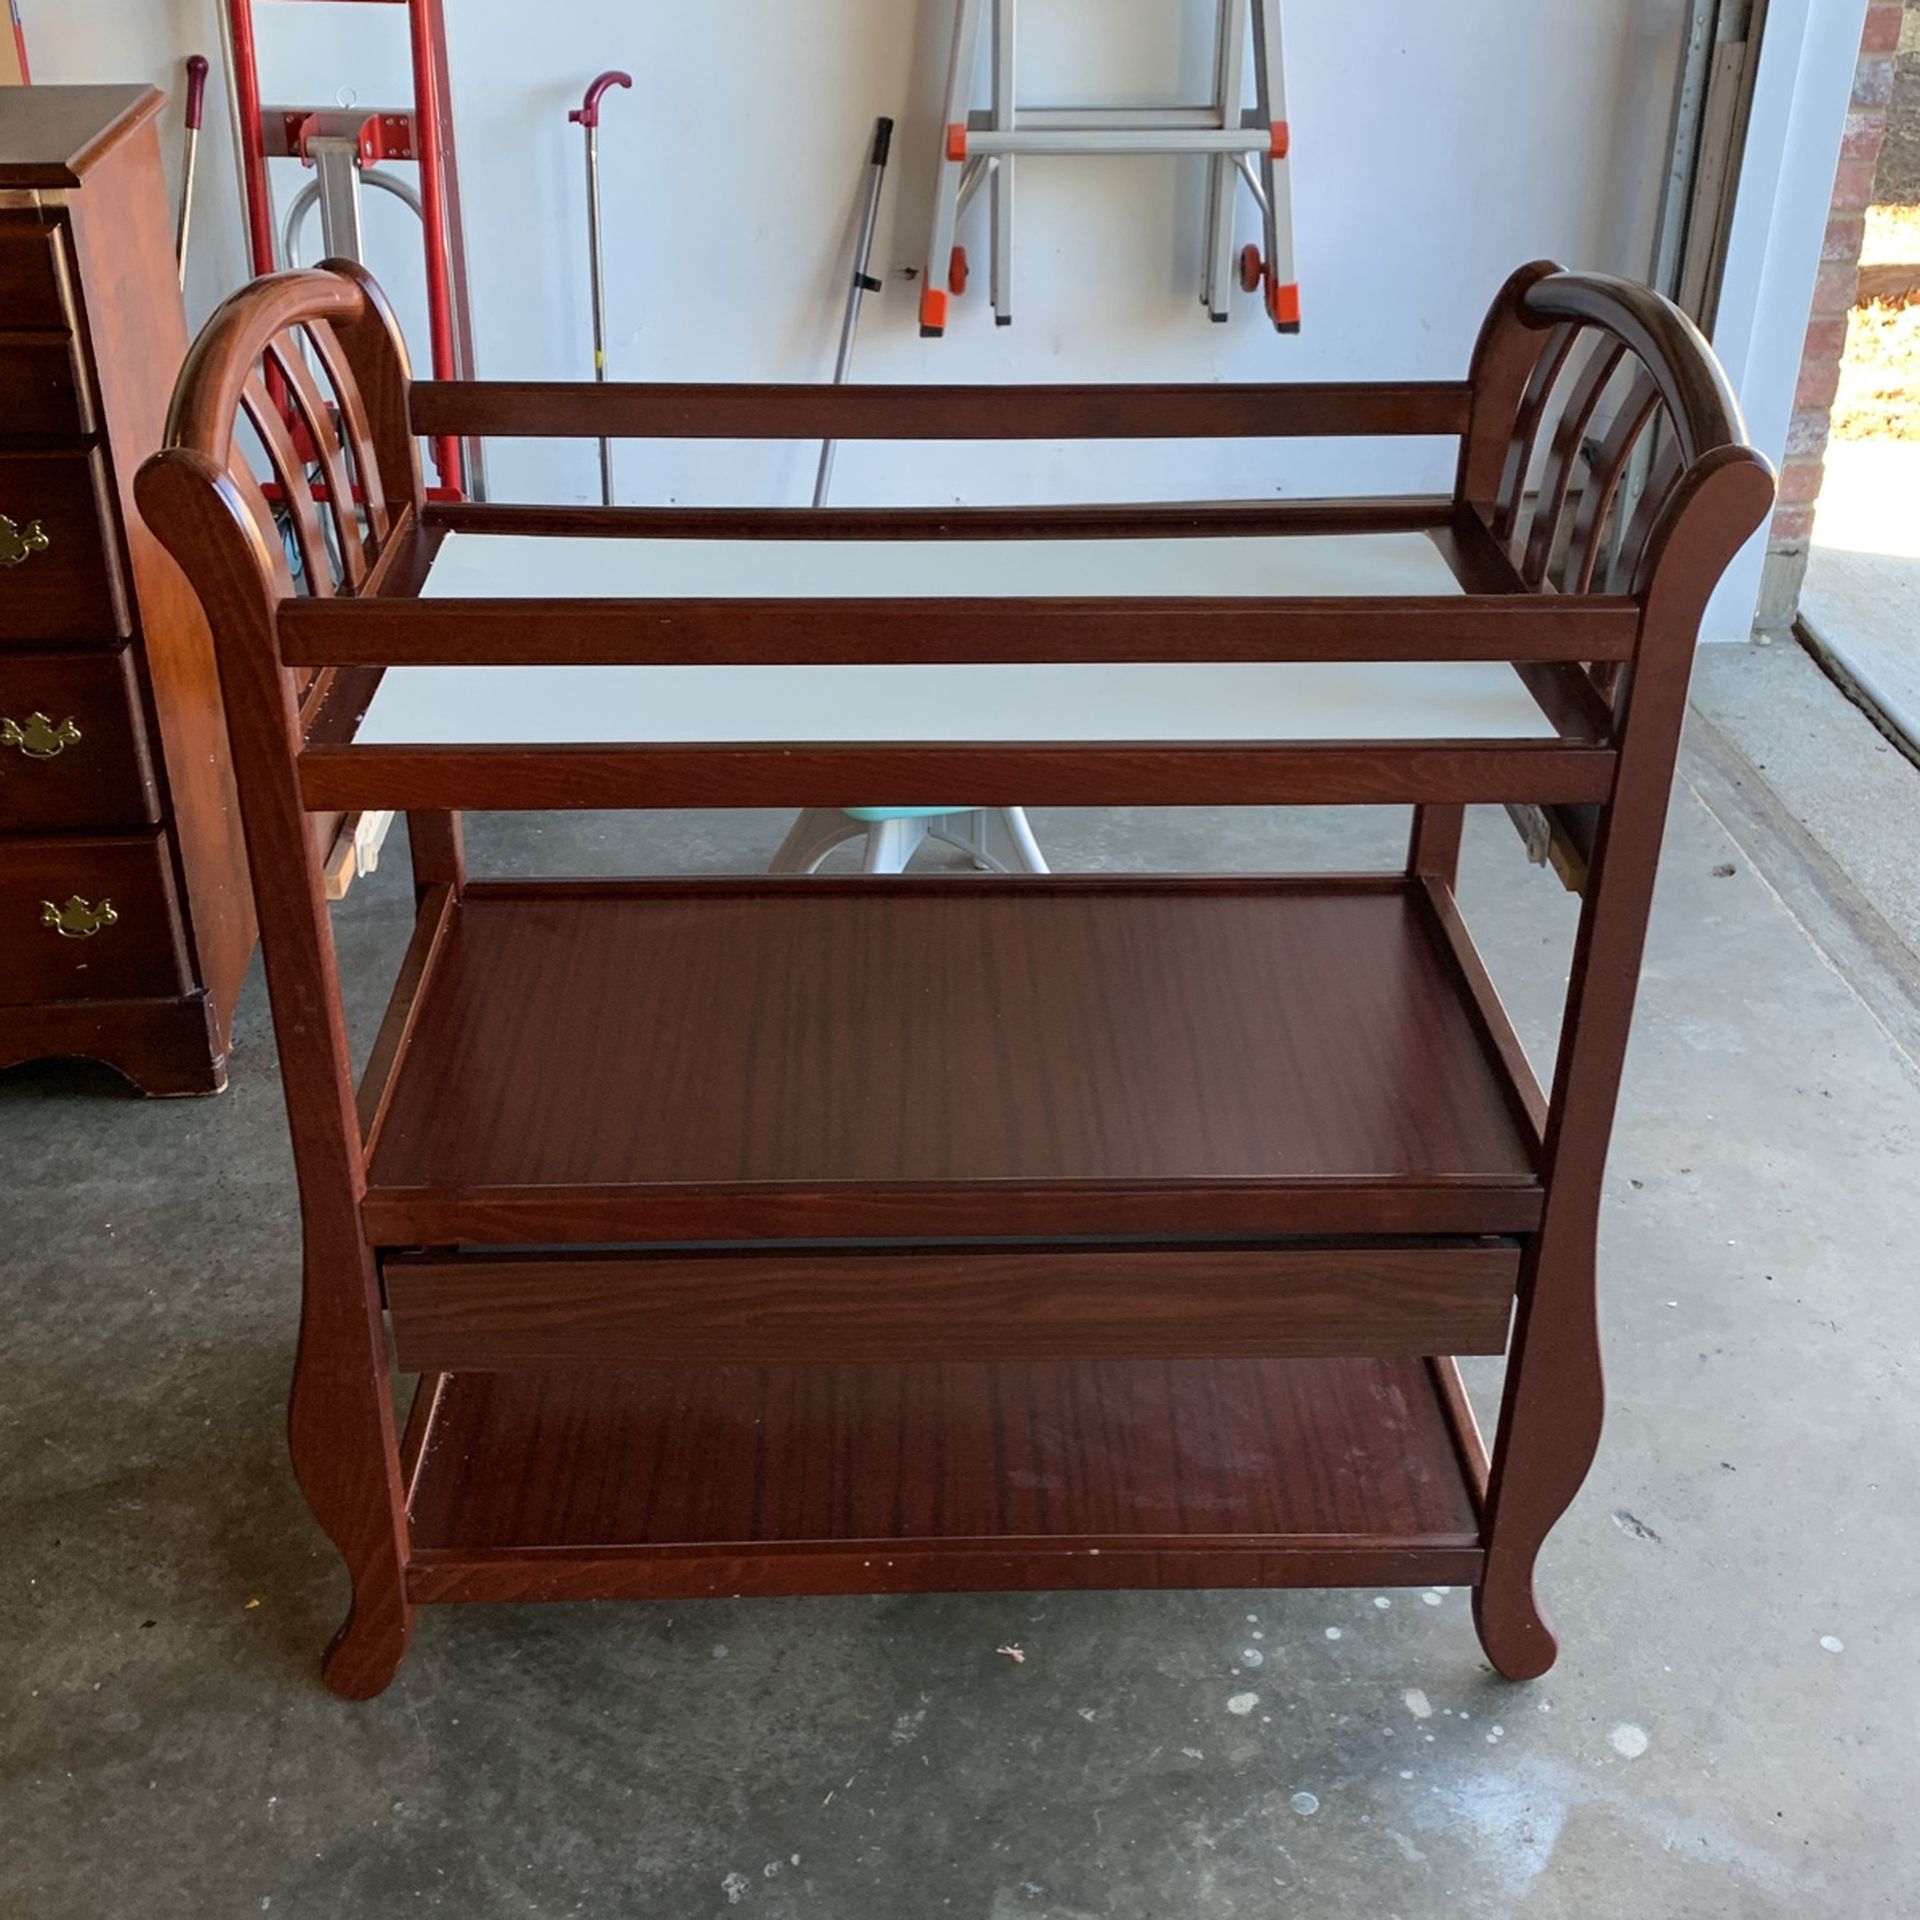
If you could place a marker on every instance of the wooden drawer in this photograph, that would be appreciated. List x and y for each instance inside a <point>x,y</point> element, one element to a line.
<point>35,283</point>
<point>59,578</point>
<point>43,387</point>
<point>73,749</point>
<point>88,920</point>
<point>775,1306</point>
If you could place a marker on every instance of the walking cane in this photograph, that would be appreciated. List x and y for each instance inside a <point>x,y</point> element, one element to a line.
<point>196,102</point>
<point>587,115</point>
<point>861,284</point>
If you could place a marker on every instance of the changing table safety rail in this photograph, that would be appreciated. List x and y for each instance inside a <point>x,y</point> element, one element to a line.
<point>1557,352</point>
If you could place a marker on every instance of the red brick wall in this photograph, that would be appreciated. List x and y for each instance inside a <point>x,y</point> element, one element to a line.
<point>1834,291</point>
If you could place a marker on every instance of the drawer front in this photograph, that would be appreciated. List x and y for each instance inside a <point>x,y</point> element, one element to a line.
<point>88,920</point>
<point>43,387</point>
<point>35,282</point>
<point>488,1311</point>
<point>73,748</point>
<point>59,579</point>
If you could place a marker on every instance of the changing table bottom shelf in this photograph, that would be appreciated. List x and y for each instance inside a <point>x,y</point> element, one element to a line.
<point>684,1482</point>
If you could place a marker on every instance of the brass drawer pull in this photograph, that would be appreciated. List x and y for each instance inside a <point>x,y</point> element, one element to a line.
<point>20,544</point>
<point>41,738</point>
<point>78,919</point>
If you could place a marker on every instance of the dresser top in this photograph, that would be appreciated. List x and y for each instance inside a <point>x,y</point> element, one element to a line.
<point>52,137</point>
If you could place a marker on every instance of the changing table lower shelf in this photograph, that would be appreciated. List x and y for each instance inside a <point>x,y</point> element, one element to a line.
<point>672,1483</point>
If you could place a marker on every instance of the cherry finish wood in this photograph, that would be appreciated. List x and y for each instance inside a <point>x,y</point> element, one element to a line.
<point>1489,1016</point>
<point>1025,1053</point>
<point>169,1048</point>
<point>714,1307</point>
<point>898,1479</point>
<point>390,1043</point>
<point>73,590</point>
<point>142,952</point>
<point>100,629</point>
<point>752,632</point>
<point>877,1125</point>
<point>1055,774</point>
<point>44,382</point>
<point>1142,520</point>
<point>36,270</point>
<point>91,765</point>
<point>341,1428</point>
<point>535,409</point>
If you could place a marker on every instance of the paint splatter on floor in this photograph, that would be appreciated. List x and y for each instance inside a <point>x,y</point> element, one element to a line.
<point>1243,1703</point>
<point>1305,1803</point>
<point>1832,1643</point>
<point>1629,1741</point>
<point>1418,1704</point>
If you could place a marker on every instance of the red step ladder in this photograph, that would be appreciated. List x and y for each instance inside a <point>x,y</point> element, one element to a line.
<point>420,132</point>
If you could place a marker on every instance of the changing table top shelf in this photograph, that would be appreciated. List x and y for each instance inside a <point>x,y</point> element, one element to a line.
<point>945,701</point>
<point>1198,567</point>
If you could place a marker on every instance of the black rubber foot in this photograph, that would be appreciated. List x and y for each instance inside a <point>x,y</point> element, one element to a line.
<point>1288,326</point>
<point>1003,319</point>
<point>931,333</point>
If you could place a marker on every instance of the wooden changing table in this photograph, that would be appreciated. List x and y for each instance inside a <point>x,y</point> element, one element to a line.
<point>776,1236</point>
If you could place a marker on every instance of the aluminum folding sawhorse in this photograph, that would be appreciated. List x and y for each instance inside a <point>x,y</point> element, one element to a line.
<point>979,144</point>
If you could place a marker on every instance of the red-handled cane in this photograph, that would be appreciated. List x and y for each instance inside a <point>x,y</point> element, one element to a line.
<point>196,102</point>
<point>587,115</point>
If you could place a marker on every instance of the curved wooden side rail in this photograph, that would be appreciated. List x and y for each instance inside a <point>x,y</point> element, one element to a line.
<point>1555,1395</point>
<point>213,511</point>
<point>1692,382</point>
<point>313,365</point>
<point>1573,376</point>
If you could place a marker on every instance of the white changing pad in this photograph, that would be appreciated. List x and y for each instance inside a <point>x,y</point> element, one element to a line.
<point>515,566</point>
<point>1150,700</point>
<point>1095,701</point>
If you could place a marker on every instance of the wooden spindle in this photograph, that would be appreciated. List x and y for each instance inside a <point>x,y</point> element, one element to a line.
<point>248,484</point>
<point>1564,456</point>
<point>284,357</point>
<point>355,428</point>
<point>1526,430</point>
<point>1609,469</point>
<point>1662,477</point>
<point>290,471</point>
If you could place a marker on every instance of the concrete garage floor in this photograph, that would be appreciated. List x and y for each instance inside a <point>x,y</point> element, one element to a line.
<point>1731,1730</point>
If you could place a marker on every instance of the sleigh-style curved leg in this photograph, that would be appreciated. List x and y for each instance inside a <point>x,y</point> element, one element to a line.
<point>1549,1431</point>
<point>363,1657</point>
<point>346,1458</point>
<point>1514,1633</point>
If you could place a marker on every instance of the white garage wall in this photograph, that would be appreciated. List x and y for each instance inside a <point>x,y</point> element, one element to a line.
<point>1437,147</point>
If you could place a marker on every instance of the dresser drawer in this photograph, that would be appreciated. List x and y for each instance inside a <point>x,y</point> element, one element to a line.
<point>43,388</point>
<point>88,920</point>
<point>73,749</point>
<point>59,579</point>
<point>35,283</point>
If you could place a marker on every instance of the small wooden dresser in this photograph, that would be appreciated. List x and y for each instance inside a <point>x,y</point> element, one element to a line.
<point>125,917</point>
